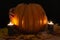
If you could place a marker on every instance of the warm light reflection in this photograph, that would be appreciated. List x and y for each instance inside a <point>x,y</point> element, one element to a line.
<point>45,21</point>
<point>50,23</point>
<point>40,21</point>
<point>22,22</point>
<point>10,24</point>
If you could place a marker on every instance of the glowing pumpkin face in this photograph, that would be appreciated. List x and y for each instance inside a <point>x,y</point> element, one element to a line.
<point>29,17</point>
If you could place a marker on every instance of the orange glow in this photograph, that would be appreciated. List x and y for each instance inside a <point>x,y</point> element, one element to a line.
<point>40,21</point>
<point>22,22</point>
<point>14,20</point>
<point>45,21</point>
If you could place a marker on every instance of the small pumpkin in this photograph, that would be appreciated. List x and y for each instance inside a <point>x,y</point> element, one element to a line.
<point>29,18</point>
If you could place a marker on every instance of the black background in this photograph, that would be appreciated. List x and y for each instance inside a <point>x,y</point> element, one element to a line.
<point>51,8</point>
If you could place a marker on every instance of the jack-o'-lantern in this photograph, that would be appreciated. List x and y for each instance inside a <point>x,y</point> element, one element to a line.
<point>29,18</point>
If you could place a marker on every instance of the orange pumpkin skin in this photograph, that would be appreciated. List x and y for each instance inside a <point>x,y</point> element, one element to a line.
<point>29,18</point>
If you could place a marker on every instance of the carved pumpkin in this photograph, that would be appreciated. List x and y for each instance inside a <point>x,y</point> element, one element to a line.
<point>29,18</point>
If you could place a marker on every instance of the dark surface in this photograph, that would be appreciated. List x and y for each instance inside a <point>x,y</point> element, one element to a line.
<point>51,8</point>
<point>40,36</point>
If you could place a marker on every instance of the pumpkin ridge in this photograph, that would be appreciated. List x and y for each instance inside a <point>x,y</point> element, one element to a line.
<point>37,17</point>
<point>33,18</point>
<point>23,22</point>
